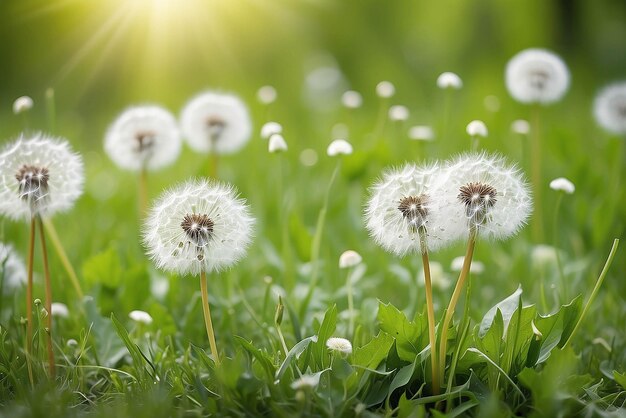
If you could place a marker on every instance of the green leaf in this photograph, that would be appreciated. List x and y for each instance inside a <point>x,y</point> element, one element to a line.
<point>620,378</point>
<point>491,343</point>
<point>293,353</point>
<point>325,331</point>
<point>261,357</point>
<point>136,354</point>
<point>507,307</point>
<point>402,378</point>
<point>556,328</point>
<point>103,269</point>
<point>371,354</point>
<point>341,369</point>
<point>109,349</point>
<point>518,337</point>
<point>410,336</point>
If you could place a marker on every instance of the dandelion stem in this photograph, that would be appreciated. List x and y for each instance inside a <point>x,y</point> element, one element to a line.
<point>430,309</point>
<point>281,337</point>
<point>555,240</point>
<point>29,301</point>
<point>467,262</point>
<point>350,303</point>
<point>317,240</point>
<point>46,269</point>
<point>596,288</point>
<point>143,192</point>
<point>535,158</point>
<point>58,246</point>
<point>207,317</point>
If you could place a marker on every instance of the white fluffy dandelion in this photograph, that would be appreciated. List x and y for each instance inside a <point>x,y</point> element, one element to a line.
<point>562,184</point>
<point>449,80</point>
<point>198,226</point>
<point>143,137</point>
<point>352,99</point>
<point>405,202</point>
<point>398,113</point>
<point>12,267</point>
<point>609,108</point>
<point>385,89</point>
<point>40,175</point>
<point>22,104</point>
<point>422,133</point>
<point>271,128</point>
<point>141,317</point>
<point>340,345</point>
<point>349,258</point>
<point>339,147</point>
<point>216,123</point>
<point>487,195</point>
<point>537,76</point>
<point>277,144</point>
<point>477,128</point>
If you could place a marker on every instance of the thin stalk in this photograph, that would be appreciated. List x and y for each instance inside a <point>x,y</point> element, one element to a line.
<point>48,303</point>
<point>350,303</point>
<point>467,262</point>
<point>555,222</point>
<point>281,337</point>
<point>317,241</point>
<point>58,247</point>
<point>29,301</point>
<point>207,317</point>
<point>535,158</point>
<point>596,288</point>
<point>430,309</point>
<point>143,192</point>
<point>475,142</point>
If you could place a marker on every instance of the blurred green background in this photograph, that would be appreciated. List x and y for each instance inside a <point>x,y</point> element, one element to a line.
<point>102,56</point>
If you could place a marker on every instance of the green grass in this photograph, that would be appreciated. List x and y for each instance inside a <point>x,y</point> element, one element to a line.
<point>111,366</point>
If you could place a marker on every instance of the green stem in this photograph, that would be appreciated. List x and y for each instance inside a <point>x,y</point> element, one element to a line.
<point>29,302</point>
<point>430,309</point>
<point>46,269</point>
<point>207,317</point>
<point>535,157</point>
<point>596,288</point>
<point>58,247</point>
<point>559,264</point>
<point>350,303</point>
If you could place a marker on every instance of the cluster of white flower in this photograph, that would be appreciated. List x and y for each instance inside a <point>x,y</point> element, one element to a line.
<point>418,208</point>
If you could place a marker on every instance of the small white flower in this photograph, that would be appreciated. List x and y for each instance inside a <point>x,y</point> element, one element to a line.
<point>267,95</point>
<point>404,201</point>
<point>216,123</point>
<point>542,255</point>
<point>39,176</point>
<point>271,128</point>
<point>339,344</point>
<point>477,128</point>
<point>12,267</point>
<point>537,76</point>
<point>398,113</point>
<point>487,195</point>
<point>349,258</point>
<point>339,147</point>
<point>22,104</point>
<point>198,226</point>
<point>352,99</point>
<point>609,108</point>
<point>385,89</point>
<point>277,144</point>
<point>60,309</point>
<point>141,317</point>
<point>476,267</point>
<point>421,133</point>
<point>562,184</point>
<point>520,126</point>
<point>449,80</point>
<point>306,381</point>
<point>143,137</point>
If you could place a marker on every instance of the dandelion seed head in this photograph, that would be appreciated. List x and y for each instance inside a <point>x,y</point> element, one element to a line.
<point>277,144</point>
<point>562,184</point>
<point>609,108</point>
<point>60,310</point>
<point>340,345</point>
<point>39,175</point>
<point>520,126</point>
<point>271,128</point>
<point>476,267</point>
<point>12,267</point>
<point>141,317</point>
<point>537,76</point>
<point>216,123</point>
<point>477,128</point>
<point>22,104</point>
<point>449,80</point>
<point>398,113</point>
<point>421,133</point>
<point>349,258</point>
<point>266,95</point>
<point>198,226</point>
<point>385,89</point>
<point>352,99</point>
<point>143,137</point>
<point>339,147</point>
<point>543,255</point>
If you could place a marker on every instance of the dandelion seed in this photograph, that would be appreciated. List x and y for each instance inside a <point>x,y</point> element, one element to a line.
<point>385,89</point>
<point>39,176</point>
<point>449,80</point>
<point>339,147</point>
<point>537,76</point>
<point>562,184</point>
<point>352,99</point>
<point>216,123</point>
<point>267,95</point>
<point>520,126</point>
<point>340,345</point>
<point>476,267</point>
<point>398,113</point>
<point>271,128</point>
<point>22,104</point>
<point>12,267</point>
<point>306,381</point>
<point>609,108</point>
<point>143,137</point>
<point>198,226</point>
<point>60,310</point>
<point>141,317</point>
<point>477,128</point>
<point>277,144</point>
<point>349,258</point>
<point>421,133</point>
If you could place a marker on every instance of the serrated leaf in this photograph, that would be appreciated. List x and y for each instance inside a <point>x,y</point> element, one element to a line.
<point>507,307</point>
<point>556,328</point>
<point>409,335</point>
<point>491,342</point>
<point>371,354</point>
